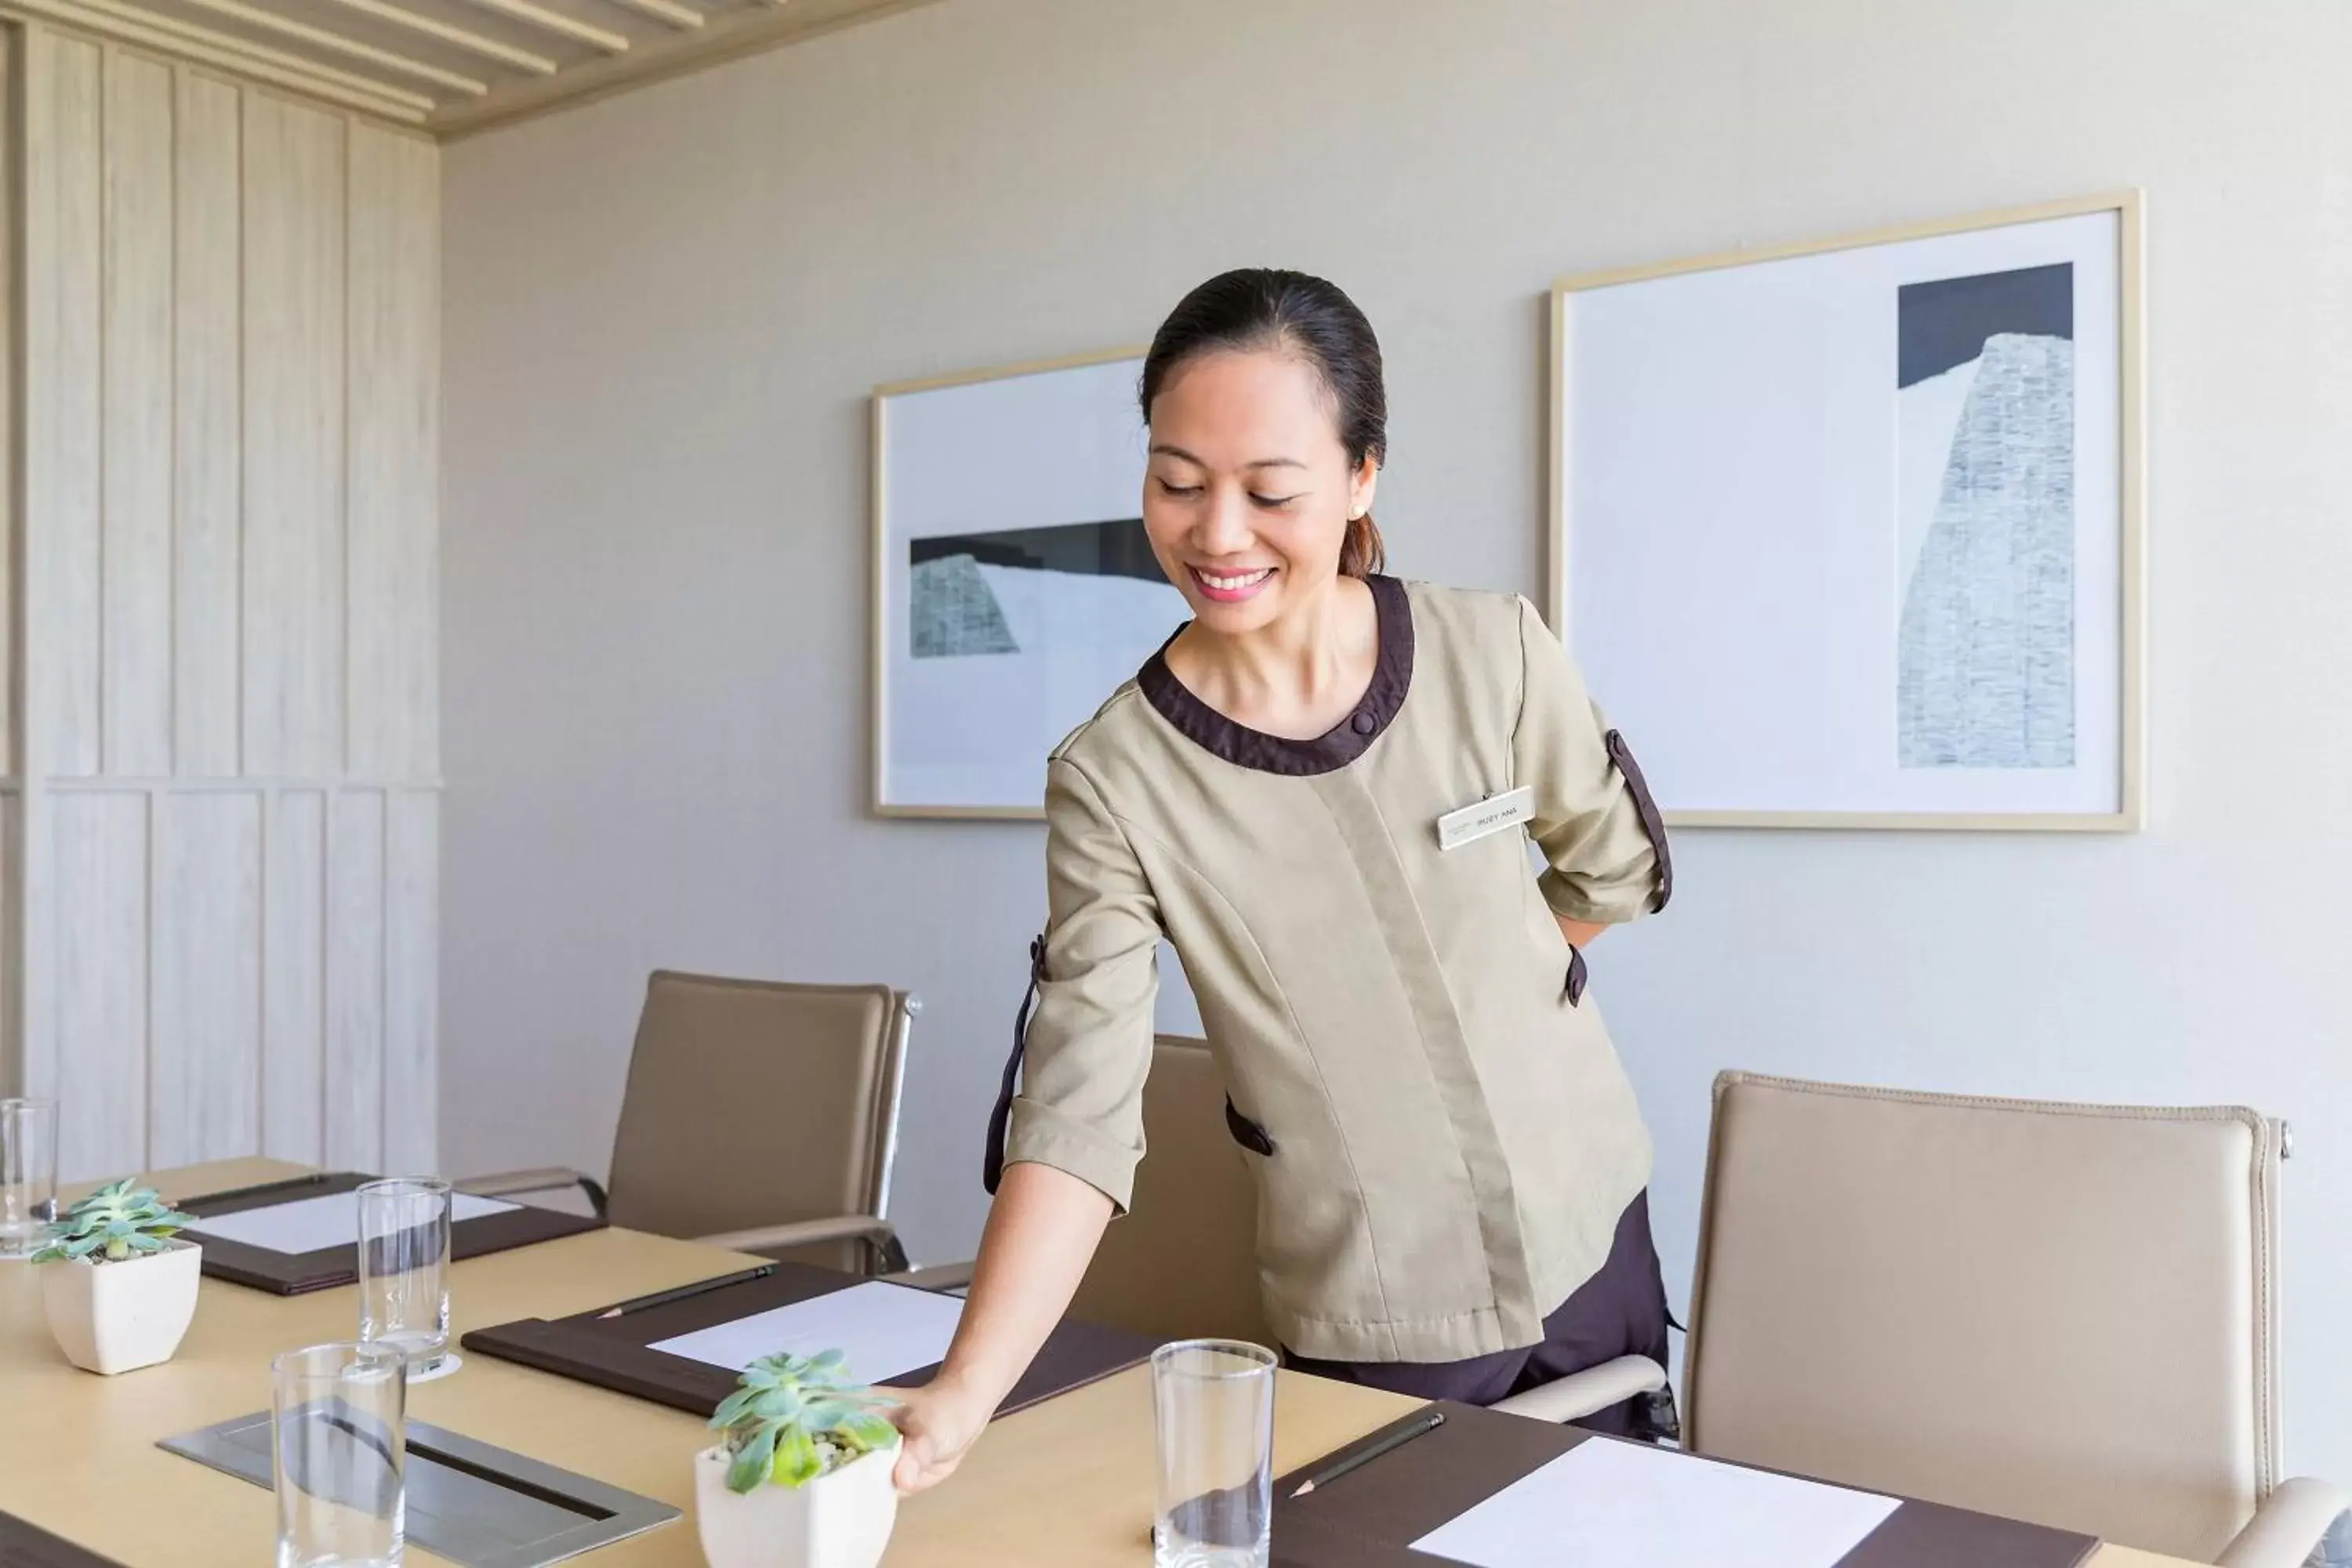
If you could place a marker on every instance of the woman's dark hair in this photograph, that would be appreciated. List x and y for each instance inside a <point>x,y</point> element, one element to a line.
<point>1263,307</point>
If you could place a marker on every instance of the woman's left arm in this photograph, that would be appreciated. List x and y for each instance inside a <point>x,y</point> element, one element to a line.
<point>1601,834</point>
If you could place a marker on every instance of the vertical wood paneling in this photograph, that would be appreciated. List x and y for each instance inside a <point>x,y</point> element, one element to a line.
<point>63,214</point>
<point>229,558</point>
<point>10,333</point>
<point>395,204</point>
<point>355,919</point>
<point>98,902</point>
<point>205,1100</point>
<point>293,982</point>
<point>37,1046</point>
<point>412,990</point>
<point>136,331</point>
<point>208,322</point>
<point>12,892</point>
<point>293,439</point>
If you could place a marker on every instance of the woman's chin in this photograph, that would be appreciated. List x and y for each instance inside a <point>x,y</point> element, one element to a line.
<point>1230,618</point>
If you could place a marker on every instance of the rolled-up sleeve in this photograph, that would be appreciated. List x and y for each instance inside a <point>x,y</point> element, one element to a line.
<point>1603,841</point>
<point>1080,1108</point>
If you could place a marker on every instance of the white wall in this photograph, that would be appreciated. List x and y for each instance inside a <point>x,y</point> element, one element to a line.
<point>664,310</point>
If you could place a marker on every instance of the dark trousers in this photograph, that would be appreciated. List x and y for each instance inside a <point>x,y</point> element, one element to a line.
<point>1620,1311</point>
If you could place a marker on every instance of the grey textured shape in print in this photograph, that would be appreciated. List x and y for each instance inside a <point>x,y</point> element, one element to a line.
<point>950,610</point>
<point>1986,667</point>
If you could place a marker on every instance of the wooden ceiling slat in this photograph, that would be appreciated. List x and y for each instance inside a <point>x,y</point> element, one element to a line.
<point>556,21</point>
<point>228,52</point>
<point>669,11</point>
<point>286,26</point>
<point>455,38</point>
<point>748,27</point>
<point>305,46</point>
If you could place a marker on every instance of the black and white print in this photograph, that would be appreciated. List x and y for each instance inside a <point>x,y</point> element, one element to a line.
<point>1985,397</point>
<point>1001,592</point>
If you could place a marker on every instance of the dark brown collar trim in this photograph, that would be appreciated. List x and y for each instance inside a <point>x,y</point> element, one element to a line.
<point>1332,750</point>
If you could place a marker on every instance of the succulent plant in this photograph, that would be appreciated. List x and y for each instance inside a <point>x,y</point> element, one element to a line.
<point>116,1222</point>
<point>793,1418</point>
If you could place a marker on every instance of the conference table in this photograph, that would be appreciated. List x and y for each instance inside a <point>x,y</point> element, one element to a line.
<point>1064,1484</point>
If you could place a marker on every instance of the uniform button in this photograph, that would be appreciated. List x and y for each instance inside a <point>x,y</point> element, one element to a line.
<point>1365,724</point>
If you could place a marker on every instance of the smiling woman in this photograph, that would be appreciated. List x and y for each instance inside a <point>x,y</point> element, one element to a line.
<point>1320,790</point>
<point>1269,423</point>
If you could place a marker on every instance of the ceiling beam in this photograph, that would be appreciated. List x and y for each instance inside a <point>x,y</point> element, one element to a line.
<point>669,11</point>
<point>731,35</point>
<point>455,38</point>
<point>319,37</point>
<point>207,45</point>
<point>555,22</point>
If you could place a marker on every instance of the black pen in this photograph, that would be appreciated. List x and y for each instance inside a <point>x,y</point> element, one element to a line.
<point>1428,1421</point>
<point>664,1298</point>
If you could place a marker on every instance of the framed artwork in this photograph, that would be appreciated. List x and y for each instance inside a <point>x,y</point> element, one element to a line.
<point>1014,587</point>
<point>1850,534</point>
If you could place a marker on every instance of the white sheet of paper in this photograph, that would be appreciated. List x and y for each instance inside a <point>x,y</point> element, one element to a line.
<point>1604,1504</point>
<point>882,1331</point>
<point>308,1224</point>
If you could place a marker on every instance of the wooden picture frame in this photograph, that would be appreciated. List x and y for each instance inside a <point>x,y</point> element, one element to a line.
<point>1675,743</point>
<point>890,793</point>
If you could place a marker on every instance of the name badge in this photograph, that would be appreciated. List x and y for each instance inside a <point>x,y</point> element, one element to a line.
<point>1491,814</point>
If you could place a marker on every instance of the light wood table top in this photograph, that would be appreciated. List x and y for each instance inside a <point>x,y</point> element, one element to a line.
<point>1065,1484</point>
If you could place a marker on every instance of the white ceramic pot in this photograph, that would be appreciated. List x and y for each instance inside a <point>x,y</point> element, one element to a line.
<point>838,1521</point>
<point>114,1317</point>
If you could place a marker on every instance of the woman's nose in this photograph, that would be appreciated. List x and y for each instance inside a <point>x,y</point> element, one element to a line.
<point>1225,530</point>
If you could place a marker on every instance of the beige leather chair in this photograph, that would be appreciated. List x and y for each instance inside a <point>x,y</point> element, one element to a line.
<point>1182,1264</point>
<point>2061,1313</point>
<point>759,1116</point>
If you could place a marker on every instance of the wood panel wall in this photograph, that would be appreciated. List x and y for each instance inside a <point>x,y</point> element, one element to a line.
<point>223,836</point>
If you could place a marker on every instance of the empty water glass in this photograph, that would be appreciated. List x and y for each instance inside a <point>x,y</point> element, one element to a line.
<point>1213,1408</point>
<point>28,1174</point>
<point>404,1268</point>
<point>338,1448</point>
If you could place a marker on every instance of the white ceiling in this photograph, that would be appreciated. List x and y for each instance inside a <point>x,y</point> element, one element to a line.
<point>457,65</point>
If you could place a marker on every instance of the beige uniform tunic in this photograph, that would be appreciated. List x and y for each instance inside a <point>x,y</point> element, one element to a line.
<point>1443,1137</point>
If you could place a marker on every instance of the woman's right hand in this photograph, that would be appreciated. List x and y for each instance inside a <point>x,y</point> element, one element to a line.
<point>1042,1229</point>
<point>939,1423</point>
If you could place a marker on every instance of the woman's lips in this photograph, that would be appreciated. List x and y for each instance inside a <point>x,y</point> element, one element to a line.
<point>1231,587</point>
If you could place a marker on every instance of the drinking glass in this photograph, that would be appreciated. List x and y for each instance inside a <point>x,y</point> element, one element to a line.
<point>405,1270</point>
<point>28,1174</point>
<point>338,1449</point>
<point>1212,1409</point>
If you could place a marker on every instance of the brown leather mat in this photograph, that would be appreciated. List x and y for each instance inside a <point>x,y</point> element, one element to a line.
<point>616,1353</point>
<point>23,1545</point>
<point>1369,1517</point>
<point>298,1273</point>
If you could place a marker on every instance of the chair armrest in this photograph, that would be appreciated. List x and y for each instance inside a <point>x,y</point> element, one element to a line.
<point>806,1232</point>
<point>1578,1395</point>
<point>546,1178</point>
<point>936,1276</point>
<point>2287,1527</point>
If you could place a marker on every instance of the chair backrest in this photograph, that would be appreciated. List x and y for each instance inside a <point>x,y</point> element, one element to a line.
<point>2061,1313</point>
<point>1182,1264</point>
<point>755,1102</point>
